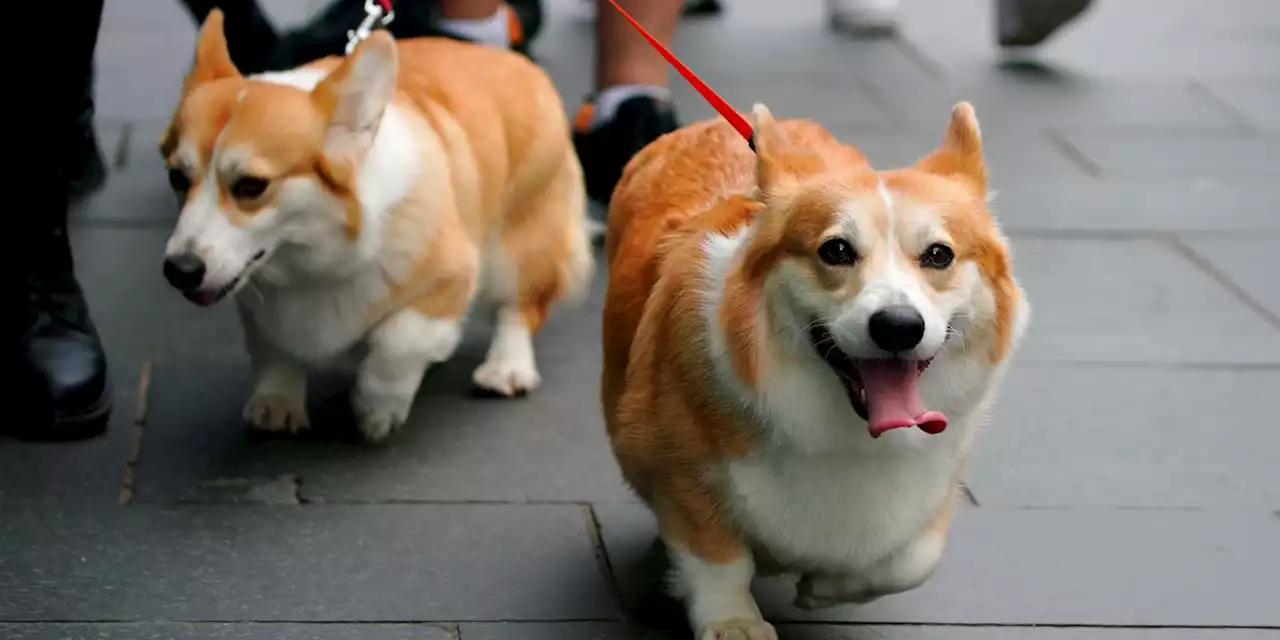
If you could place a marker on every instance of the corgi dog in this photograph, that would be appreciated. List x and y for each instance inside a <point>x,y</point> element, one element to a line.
<point>359,205</point>
<point>799,350</point>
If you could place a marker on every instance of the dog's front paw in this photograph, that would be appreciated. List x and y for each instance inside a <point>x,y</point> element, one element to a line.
<point>376,426</point>
<point>507,376</point>
<point>822,591</point>
<point>738,629</point>
<point>379,416</point>
<point>276,413</point>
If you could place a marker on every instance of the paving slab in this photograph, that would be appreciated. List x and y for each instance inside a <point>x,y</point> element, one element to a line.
<point>598,631</point>
<point>1166,205</point>
<point>1043,567</point>
<point>1013,158</point>
<point>1248,262</point>
<point>1021,98</point>
<point>1256,101</point>
<point>1080,436</point>
<point>1135,39</point>
<point>549,446</point>
<point>1181,157</point>
<point>1134,300</point>
<point>222,631</point>
<point>292,564</point>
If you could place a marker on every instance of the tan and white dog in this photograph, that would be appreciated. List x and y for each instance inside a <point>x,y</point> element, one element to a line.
<point>360,205</point>
<point>798,352</point>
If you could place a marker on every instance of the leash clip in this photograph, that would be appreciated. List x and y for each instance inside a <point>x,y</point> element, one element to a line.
<point>376,15</point>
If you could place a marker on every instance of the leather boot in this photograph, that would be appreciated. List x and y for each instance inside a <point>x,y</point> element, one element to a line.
<point>62,370</point>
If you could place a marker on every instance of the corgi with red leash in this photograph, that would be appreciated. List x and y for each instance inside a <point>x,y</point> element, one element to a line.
<point>799,352</point>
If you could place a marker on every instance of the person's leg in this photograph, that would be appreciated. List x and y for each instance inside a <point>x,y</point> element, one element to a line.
<point>60,365</point>
<point>630,107</point>
<point>483,21</point>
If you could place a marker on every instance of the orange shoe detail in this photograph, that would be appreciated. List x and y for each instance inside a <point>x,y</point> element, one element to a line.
<point>582,121</point>
<point>515,30</point>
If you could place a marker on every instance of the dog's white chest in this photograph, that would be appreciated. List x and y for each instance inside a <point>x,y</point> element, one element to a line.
<point>314,324</point>
<point>838,511</point>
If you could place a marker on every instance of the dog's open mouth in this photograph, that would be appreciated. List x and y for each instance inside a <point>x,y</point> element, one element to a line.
<point>885,393</point>
<point>207,297</point>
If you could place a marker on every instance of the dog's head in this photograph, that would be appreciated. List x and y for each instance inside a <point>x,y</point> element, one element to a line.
<point>268,166</point>
<point>884,271</point>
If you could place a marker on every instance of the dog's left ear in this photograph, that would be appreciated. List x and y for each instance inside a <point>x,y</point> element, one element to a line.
<point>960,153</point>
<point>778,162</point>
<point>354,96</point>
<point>213,60</point>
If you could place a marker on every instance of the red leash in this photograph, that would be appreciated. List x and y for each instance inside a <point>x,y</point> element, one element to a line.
<point>735,119</point>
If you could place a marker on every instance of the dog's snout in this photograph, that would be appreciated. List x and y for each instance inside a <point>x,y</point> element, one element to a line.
<point>897,328</point>
<point>184,271</point>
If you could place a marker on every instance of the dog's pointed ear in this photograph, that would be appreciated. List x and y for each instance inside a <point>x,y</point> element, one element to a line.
<point>778,162</point>
<point>960,153</point>
<point>213,60</point>
<point>354,96</point>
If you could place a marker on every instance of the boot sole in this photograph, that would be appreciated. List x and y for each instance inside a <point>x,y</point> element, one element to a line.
<point>89,422</point>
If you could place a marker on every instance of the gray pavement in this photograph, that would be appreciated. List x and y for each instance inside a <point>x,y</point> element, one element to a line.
<point>1128,489</point>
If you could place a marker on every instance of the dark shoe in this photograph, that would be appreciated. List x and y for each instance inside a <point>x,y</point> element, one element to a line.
<point>702,8</point>
<point>606,149</point>
<point>1027,23</point>
<point>62,370</point>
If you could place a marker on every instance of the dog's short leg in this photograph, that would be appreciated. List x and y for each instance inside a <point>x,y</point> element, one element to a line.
<point>902,570</point>
<point>711,571</point>
<point>279,400</point>
<point>400,350</point>
<point>509,369</point>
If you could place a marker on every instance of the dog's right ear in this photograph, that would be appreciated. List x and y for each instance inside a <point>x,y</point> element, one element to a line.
<point>778,162</point>
<point>354,96</point>
<point>213,60</point>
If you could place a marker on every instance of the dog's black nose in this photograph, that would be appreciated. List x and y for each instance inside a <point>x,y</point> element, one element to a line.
<point>897,328</point>
<point>184,271</point>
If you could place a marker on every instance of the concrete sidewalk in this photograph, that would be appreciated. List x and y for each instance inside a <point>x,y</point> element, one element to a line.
<point>1129,488</point>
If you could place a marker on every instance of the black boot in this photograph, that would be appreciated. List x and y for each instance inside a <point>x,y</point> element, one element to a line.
<point>62,370</point>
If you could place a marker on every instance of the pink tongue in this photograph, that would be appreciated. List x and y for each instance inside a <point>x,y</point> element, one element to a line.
<point>893,397</point>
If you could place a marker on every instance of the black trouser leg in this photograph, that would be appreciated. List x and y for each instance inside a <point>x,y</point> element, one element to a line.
<point>60,365</point>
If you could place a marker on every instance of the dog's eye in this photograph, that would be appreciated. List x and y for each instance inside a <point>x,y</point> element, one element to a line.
<point>248,188</point>
<point>837,252</point>
<point>178,180</point>
<point>937,256</point>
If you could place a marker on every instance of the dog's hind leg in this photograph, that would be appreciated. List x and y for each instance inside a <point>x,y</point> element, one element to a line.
<point>542,256</point>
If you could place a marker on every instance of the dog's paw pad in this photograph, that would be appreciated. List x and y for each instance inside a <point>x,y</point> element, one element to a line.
<point>276,414</point>
<point>507,378</point>
<point>377,425</point>
<point>738,629</point>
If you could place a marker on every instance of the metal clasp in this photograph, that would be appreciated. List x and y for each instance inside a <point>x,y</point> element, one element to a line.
<point>375,16</point>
